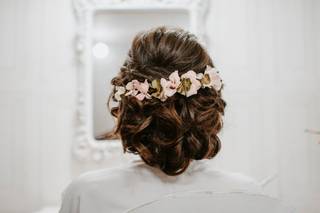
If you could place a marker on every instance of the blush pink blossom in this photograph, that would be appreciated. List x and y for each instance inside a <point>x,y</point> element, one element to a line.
<point>170,86</point>
<point>138,89</point>
<point>214,79</point>
<point>188,84</point>
<point>195,83</point>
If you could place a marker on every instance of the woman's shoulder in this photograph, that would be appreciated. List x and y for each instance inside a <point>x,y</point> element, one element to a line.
<point>200,172</point>
<point>90,179</point>
<point>232,181</point>
<point>100,184</point>
<point>240,182</point>
<point>138,179</point>
<point>109,177</point>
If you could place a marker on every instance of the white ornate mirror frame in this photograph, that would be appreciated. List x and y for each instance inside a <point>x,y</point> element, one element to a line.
<point>85,146</point>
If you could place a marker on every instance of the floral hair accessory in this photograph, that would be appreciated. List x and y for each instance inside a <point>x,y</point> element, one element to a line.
<point>166,88</point>
<point>138,89</point>
<point>210,78</point>
<point>187,84</point>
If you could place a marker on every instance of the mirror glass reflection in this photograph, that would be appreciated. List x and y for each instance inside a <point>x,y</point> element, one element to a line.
<point>112,33</point>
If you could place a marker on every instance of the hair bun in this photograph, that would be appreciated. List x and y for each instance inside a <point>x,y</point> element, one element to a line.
<point>169,134</point>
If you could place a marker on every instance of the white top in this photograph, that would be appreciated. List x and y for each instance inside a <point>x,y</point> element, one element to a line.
<point>122,188</point>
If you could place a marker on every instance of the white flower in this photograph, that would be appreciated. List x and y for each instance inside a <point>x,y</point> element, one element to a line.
<point>189,84</point>
<point>132,87</point>
<point>210,78</point>
<point>169,88</point>
<point>119,91</point>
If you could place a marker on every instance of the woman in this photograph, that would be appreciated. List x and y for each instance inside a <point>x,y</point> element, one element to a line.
<point>169,113</point>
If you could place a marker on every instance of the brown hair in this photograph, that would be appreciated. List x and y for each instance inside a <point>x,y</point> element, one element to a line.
<point>168,134</point>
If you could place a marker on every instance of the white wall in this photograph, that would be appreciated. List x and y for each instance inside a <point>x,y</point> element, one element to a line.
<point>37,90</point>
<point>267,51</point>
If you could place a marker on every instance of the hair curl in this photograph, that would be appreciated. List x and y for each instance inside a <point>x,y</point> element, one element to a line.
<point>168,134</point>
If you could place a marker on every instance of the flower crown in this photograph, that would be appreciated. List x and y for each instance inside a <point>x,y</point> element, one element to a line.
<point>187,84</point>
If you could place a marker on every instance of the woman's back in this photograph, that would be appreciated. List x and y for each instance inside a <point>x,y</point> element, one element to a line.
<point>122,188</point>
<point>169,109</point>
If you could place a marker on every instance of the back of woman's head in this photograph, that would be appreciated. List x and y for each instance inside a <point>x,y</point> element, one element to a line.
<point>167,134</point>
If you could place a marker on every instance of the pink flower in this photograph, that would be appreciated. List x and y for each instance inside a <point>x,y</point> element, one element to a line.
<point>210,78</point>
<point>138,89</point>
<point>169,87</point>
<point>189,84</point>
<point>132,87</point>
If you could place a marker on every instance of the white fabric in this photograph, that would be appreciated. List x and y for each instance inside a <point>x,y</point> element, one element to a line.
<point>123,188</point>
<point>207,202</point>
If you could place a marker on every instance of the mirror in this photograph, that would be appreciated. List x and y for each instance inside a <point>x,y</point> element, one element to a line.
<point>113,32</point>
<point>105,32</point>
